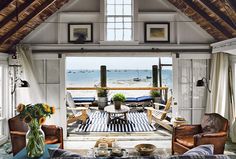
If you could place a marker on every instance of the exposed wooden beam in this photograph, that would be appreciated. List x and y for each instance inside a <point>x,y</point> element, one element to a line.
<point>208,18</point>
<point>15,12</point>
<point>218,13</point>
<point>232,4</point>
<point>37,11</point>
<point>4,3</point>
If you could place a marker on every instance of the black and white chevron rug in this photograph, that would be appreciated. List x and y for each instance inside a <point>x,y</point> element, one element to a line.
<point>97,122</point>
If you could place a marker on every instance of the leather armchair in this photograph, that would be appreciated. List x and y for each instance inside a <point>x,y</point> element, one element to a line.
<point>18,129</point>
<point>212,130</point>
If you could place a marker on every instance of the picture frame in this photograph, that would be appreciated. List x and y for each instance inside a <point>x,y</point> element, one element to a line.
<point>157,32</point>
<point>74,29</point>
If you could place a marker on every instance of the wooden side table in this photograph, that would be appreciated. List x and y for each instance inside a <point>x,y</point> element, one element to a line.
<point>113,114</point>
<point>23,153</point>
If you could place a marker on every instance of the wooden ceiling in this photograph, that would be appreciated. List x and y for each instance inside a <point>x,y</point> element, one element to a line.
<point>19,17</point>
<point>217,17</point>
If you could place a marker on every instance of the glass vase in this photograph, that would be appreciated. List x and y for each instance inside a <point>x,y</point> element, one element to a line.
<point>35,140</point>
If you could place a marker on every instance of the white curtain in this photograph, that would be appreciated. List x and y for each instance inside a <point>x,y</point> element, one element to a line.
<point>218,100</point>
<point>32,94</point>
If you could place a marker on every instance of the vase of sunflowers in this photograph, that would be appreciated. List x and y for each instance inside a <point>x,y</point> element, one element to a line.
<point>35,115</point>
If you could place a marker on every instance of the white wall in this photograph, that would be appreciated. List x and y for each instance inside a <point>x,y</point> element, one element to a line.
<point>147,11</point>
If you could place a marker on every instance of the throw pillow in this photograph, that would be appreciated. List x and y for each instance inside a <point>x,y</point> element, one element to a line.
<point>54,153</point>
<point>201,150</point>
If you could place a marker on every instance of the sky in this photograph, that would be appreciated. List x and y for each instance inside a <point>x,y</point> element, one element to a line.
<point>128,63</point>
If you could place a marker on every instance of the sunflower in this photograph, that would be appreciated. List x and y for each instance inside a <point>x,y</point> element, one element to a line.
<point>46,108</point>
<point>42,120</point>
<point>53,110</point>
<point>20,108</point>
<point>27,118</point>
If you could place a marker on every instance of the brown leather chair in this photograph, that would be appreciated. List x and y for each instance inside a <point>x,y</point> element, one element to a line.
<point>212,130</point>
<point>18,129</point>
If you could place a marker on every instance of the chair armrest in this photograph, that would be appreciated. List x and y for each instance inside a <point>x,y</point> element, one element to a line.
<point>184,130</point>
<point>218,134</point>
<point>159,104</point>
<point>18,133</point>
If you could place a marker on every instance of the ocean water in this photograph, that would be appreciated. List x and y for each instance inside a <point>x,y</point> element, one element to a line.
<point>90,78</point>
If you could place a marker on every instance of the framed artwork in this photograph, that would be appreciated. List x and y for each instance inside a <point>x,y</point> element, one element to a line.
<point>156,32</point>
<point>76,30</point>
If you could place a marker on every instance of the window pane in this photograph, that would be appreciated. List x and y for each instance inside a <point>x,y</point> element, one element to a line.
<point>111,25</point>
<point>119,34</point>
<point>127,22</point>
<point>1,90</point>
<point>110,10</point>
<point>127,34</point>
<point>110,1</point>
<point>119,25</point>
<point>110,19</point>
<point>119,10</point>
<point>119,1</point>
<point>127,10</point>
<point>110,34</point>
<point>118,20</point>
<point>127,1</point>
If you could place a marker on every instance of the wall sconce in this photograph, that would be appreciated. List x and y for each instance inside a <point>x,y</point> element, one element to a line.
<point>203,82</point>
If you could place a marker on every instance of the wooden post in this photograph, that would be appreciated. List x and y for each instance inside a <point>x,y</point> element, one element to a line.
<point>103,76</point>
<point>166,95</point>
<point>154,76</point>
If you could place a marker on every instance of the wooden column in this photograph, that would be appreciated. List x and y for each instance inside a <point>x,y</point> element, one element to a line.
<point>154,76</point>
<point>103,76</point>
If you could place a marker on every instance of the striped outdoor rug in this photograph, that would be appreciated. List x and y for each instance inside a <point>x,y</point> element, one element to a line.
<point>97,122</point>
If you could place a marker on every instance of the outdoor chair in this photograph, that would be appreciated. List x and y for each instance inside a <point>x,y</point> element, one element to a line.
<point>78,113</point>
<point>160,116</point>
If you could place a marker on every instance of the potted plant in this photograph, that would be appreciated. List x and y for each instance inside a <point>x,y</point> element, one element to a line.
<point>35,115</point>
<point>118,99</point>
<point>156,96</point>
<point>102,98</point>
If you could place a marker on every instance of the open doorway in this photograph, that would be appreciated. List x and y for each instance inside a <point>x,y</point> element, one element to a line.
<point>130,76</point>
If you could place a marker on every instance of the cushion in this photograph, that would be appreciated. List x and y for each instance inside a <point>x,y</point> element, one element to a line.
<point>83,99</point>
<point>138,99</point>
<point>144,98</point>
<point>54,153</point>
<point>200,157</point>
<point>187,141</point>
<point>130,99</point>
<point>201,150</point>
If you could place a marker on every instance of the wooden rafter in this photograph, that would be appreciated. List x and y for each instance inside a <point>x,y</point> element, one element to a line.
<point>218,13</point>
<point>37,11</point>
<point>4,3</point>
<point>232,4</point>
<point>15,12</point>
<point>208,18</point>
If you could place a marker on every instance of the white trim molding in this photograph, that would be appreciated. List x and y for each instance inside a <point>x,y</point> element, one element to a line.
<point>228,46</point>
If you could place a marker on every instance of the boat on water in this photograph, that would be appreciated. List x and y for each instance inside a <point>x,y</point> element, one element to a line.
<point>136,79</point>
<point>69,71</point>
<point>148,77</point>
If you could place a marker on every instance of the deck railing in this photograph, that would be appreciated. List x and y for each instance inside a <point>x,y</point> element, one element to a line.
<point>164,89</point>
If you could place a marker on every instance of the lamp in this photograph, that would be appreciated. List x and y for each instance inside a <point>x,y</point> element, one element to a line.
<point>24,83</point>
<point>203,82</point>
